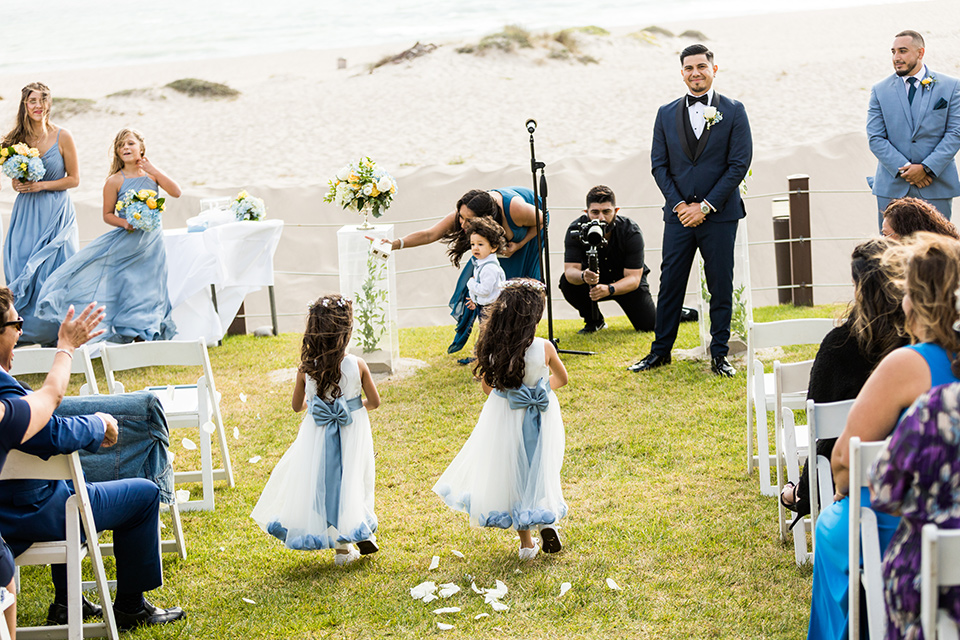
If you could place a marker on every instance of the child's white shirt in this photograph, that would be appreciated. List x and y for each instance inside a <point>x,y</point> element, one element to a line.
<point>488,278</point>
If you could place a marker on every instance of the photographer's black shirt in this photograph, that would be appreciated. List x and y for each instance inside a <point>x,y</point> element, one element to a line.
<point>624,249</point>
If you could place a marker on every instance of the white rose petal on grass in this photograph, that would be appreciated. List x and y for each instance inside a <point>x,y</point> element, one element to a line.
<point>434,563</point>
<point>236,433</point>
<point>564,587</point>
<point>423,589</point>
<point>444,627</point>
<point>476,589</point>
<point>183,495</point>
<point>456,553</point>
<point>209,427</point>
<point>189,444</point>
<point>448,589</point>
<point>447,610</point>
<point>481,615</point>
<point>613,585</point>
<point>254,460</point>
<point>248,601</point>
<point>499,606</point>
<point>430,597</point>
<point>243,397</point>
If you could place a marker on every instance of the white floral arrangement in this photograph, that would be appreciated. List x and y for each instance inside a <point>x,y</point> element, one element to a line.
<point>248,207</point>
<point>712,116</point>
<point>361,185</point>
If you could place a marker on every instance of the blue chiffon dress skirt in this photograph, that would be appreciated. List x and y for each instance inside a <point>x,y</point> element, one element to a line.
<point>41,237</point>
<point>126,271</point>
<point>525,263</point>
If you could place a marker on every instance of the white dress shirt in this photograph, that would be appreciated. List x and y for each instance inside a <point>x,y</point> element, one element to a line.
<point>695,112</point>
<point>488,278</point>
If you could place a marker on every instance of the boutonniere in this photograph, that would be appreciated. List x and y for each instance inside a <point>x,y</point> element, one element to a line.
<point>928,82</point>
<point>712,116</point>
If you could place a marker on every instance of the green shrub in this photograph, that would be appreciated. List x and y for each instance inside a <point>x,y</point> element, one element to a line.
<point>66,107</point>
<point>203,88</point>
<point>510,38</point>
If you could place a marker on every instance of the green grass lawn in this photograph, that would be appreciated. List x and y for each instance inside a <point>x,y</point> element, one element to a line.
<point>654,476</point>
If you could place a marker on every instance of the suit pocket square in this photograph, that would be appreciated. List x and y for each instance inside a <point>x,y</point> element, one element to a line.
<point>941,104</point>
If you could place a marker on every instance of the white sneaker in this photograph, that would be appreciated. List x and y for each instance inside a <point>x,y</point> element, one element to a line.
<point>531,553</point>
<point>342,559</point>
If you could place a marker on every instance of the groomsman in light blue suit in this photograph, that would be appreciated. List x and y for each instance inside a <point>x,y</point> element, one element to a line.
<point>913,124</point>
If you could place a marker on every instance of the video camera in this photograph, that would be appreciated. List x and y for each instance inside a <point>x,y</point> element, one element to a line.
<point>593,235</point>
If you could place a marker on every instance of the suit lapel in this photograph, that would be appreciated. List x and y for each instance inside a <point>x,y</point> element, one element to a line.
<point>897,86</point>
<point>926,97</point>
<point>702,143</point>
<point>681,128</point>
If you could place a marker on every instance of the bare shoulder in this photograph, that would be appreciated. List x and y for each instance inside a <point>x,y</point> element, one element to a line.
<point>114,181</point>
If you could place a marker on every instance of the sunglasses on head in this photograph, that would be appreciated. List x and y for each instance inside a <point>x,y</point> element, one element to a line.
<point>18,323</point>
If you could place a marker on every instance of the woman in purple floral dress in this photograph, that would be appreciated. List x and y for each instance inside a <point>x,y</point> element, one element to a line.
<point>918,477</point>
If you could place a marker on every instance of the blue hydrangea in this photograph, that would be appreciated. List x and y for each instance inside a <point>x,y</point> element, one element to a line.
<point>23,168</point>
<point>496,519</point>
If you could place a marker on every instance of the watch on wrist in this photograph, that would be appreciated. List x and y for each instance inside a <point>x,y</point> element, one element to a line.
<point>611,289</point>
<point>704,208</point>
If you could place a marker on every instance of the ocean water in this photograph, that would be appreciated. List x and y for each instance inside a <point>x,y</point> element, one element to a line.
<point>93,33</point>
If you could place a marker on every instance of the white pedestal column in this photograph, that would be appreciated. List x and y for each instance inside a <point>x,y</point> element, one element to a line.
<point>372,285</point>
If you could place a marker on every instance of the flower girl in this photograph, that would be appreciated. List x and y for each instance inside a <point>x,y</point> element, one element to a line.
<point>320,495</point>
<point>124,269</point>
<point>507,475</point>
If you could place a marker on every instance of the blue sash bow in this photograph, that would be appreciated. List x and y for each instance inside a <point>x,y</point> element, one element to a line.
<point>534,400</point>
<point>333,416</point>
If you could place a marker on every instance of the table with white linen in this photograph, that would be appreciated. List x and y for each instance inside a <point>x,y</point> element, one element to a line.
<point>231,259</point>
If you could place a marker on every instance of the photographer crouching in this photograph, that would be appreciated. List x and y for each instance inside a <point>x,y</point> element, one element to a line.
<point>603,259</point>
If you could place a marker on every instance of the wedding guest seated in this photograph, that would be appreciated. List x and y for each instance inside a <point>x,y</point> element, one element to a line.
<point>23,418</point>
<point>871,328</point>
<point>916,477</point>
<point>930,297</point>
<point>906,216</point>
<point>32,510</point>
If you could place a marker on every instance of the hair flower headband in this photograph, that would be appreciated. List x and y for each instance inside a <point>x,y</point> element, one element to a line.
<point>327,301</point>
<point>527,283</point>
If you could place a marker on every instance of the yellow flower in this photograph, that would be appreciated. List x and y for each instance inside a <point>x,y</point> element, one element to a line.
<point>34,153</point>
<point>23,165</point>
<point>163,206</point>
<point>21,149</point>
<point>151,203</point>
<point>241,195</point>
<point>374,192</point>
<point>151,193</point>
<point>136,216</point>
<point>4,152</point>
<point>119,206</point>
<point>143,194</point>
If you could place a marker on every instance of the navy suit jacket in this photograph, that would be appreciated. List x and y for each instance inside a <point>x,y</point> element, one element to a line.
<point>44,499</point>
<point>713,170</point>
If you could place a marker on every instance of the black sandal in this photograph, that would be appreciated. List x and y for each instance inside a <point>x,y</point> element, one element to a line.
<point>793,506</point>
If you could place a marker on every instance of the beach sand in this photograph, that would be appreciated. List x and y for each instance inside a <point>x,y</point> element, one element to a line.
<point>447,122</point>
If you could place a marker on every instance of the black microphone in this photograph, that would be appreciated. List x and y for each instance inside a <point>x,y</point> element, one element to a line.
<point>531,125</point>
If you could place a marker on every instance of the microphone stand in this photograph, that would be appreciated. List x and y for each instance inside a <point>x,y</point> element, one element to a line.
<point>543,238</point>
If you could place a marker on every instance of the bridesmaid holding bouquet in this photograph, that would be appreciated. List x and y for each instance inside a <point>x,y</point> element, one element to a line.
<point>43,226</point>
<point>124,269</point>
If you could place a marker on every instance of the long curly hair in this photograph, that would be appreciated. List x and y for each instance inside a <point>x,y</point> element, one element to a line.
<point>932,275</point>
<point>875,315</point>
<point>507,332</point>
<point>22,128</point>
<point>116,163</point>
<point>329,324</point>
<point>483,205</point>
<point>909,215</point>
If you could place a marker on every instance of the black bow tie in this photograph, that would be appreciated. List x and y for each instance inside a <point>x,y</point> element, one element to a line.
<point>692,99</point>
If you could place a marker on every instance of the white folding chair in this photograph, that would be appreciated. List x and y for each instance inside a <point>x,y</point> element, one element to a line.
<point>824,420</point>
<point>7,600</point>
<point>27,360</point>
<point>760,395</point>
<point>70,551</point>
<point>792,464</point>
<point>863,525</point>
<point>939,567</point>
<point>790,383</point>
<point>194,405</point>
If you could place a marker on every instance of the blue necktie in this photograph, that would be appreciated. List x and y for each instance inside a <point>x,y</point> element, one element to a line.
<point>913,89</point>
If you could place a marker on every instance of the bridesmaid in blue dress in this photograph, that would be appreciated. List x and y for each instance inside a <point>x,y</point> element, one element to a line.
<point>124,269</point>
<point>43,226</point>
<point>520,257</point>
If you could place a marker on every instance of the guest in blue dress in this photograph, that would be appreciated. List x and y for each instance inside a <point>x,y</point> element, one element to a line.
<point>932,269</point>
<point>519,257</point>
<point>43,226</point>
<point>124,269</point>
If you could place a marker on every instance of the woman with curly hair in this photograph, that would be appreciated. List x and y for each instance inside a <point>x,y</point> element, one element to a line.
<point>906,216</point>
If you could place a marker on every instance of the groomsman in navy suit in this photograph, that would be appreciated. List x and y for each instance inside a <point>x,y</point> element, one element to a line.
<point>913,124</point>
<point>701,152</point>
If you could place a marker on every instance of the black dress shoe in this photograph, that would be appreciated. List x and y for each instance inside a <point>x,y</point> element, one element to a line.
<point>147,616</point>
<point>57,613</point>
<point>592,328</point>
<point>721,367</point>
<point>651,361</point>
<point>689,314</point>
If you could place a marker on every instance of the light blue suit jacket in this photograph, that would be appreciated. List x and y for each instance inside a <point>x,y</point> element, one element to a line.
<point>932,138</point>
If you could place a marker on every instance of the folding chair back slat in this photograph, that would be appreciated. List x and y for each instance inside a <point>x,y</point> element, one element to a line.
<point>939,567</point>
<point>863,525</point>
<point>34,360</point>
<point>790,381</point>
<point>824,420</point>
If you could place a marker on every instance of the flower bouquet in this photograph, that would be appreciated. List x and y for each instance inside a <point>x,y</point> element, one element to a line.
<point>362,187</point>
<point>248,207</point>
<point>22,162</point>
<point>142,209</point>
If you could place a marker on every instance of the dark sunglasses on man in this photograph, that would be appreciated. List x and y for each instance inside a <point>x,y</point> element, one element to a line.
<point>18,323</point>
